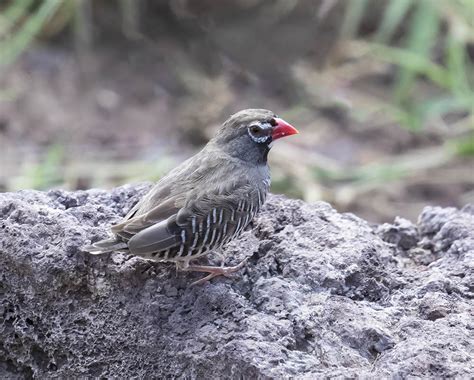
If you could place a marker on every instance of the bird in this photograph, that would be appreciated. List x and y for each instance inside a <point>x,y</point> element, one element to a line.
<point>207,201</point>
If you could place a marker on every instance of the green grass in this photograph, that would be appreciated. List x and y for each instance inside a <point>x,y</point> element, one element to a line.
<point>433,49</point>
<point>17,36</point>
<point>44,174</point>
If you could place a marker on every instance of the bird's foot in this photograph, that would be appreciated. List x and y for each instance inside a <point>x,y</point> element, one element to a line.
<point>213,271</point>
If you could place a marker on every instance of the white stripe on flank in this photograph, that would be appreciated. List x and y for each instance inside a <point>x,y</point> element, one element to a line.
<point>196,238</point>
<point>238,226</point>
<point>208,221</point>
<point>214,216</point>
<point>232,216</point>
<point>218,238</point>
<point>221,215</point>
<point>193,245</point>
<point>193,223</point>
<point>213,237</point>
<point>181,249</point>
<point>205,237</point>
<point>225,229</point>
<point>183,240</point>
<point>247,217</point>
<point>259,199</point>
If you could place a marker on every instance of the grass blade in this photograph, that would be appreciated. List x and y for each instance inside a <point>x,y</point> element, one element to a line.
<point>352,18</point>
<point>413,64</point>
<point>393,16</point>
<point>12,14</point>
<point>456,65</point>
<point>423,31</point>
<point>12,48</point>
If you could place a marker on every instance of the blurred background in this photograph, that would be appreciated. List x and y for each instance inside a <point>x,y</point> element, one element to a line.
<point>98,93</point>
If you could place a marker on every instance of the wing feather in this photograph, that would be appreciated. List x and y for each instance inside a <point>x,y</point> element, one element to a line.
<point>152,239</point>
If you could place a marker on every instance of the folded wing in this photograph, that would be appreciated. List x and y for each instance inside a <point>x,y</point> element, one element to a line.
<point>189,218</point>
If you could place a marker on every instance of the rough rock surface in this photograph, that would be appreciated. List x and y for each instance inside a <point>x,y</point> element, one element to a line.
<point>323,295</point>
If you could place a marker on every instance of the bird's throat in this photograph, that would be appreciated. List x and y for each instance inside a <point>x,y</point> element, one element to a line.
<point>265,152</point>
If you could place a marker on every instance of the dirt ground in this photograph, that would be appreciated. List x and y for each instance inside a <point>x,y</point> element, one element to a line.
<point>126,110</point>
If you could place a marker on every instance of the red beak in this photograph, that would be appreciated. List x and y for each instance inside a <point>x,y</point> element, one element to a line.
<point>283,129</point>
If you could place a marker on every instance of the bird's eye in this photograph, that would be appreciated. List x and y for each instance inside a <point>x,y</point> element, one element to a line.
<point>256,130</point>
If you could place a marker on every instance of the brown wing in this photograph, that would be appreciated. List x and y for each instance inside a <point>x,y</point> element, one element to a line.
<point>163,201</point>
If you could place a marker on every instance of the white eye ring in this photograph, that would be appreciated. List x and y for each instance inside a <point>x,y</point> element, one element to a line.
<point>254,130</point>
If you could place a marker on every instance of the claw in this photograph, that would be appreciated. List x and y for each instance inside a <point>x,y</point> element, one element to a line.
<point>213,271</point>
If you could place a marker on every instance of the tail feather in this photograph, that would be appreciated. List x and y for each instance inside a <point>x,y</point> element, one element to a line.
<point>105,246</point>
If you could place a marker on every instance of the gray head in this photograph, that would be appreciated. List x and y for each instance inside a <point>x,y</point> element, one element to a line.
<point>248,134</point>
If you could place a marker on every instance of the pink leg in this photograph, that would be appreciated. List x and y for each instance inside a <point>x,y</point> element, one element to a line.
<point>213,271</point>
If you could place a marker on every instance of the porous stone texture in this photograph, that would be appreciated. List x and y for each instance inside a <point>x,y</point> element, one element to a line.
<point>323,295</point>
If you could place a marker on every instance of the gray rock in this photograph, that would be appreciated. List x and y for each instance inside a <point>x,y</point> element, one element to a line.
<point>323,295</point>
<point>403,233</point>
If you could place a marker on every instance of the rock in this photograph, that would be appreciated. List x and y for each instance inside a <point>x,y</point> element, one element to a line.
<point>323,295</point>
<point>402,233</point>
